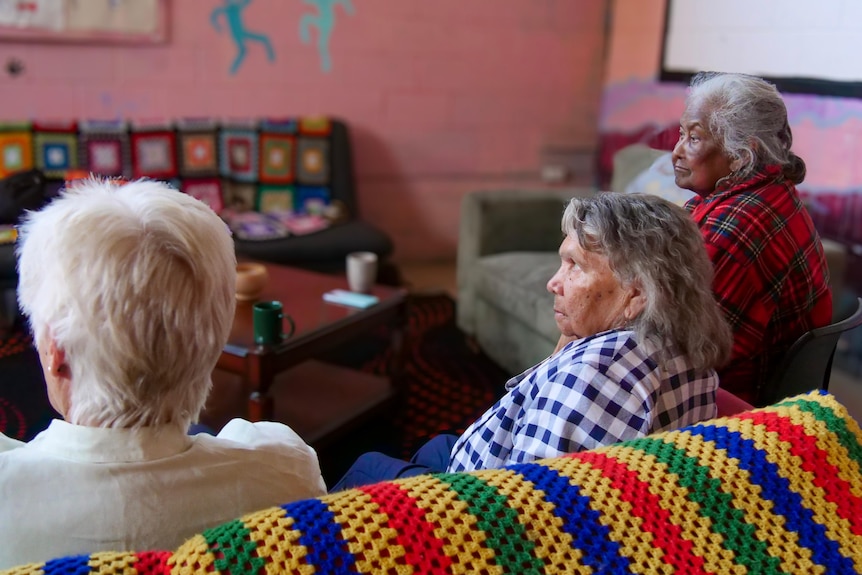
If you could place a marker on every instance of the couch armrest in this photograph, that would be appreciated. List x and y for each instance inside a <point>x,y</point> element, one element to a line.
<point>496,221</point>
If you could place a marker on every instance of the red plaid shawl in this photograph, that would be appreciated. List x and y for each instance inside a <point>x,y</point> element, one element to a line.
<point>770,273</point>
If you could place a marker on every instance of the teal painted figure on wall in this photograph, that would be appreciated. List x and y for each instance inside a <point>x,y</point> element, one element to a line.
<point>324,21</point>
<point>232,12</point>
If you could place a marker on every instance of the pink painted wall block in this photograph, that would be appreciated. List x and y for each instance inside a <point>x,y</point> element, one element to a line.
<point>444,97</point>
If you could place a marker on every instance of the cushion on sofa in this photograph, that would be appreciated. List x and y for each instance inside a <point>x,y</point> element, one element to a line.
<point>515,282</point>
<point>769,490</point>
<point>639,169</point>
<point>322,251</point>
<point>659,180</point>
<point>629,162</point>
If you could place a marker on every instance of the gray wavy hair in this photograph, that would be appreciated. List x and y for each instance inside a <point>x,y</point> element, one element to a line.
<point>748,117</point>
<point>655,245</point>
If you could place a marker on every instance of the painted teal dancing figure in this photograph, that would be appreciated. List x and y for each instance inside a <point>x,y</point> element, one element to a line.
<point>324,21</point>
<point>232,11</point>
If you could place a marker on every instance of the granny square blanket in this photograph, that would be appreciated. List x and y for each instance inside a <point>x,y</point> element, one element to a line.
<point>772,490</point>
<point>203,157</point>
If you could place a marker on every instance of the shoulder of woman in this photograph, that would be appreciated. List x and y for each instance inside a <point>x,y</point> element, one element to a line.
<point>598,350</point>
<point>733,213</point>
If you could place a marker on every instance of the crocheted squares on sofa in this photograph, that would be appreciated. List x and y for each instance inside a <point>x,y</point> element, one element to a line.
<point>207,190</point>
<point>276,199</point>
<point>105,148</point>
<point>105,157</point>
<point>280,125</point>
<point>239,196</point>
<point>315,126</point>
<point>277,158</point>
<point>311,199</point>
<point>313,163</point>
<point>56,152</point>
<point>154,154</point>
<point>238,154</point>
<point>16,150</point>
<point>197,153</point>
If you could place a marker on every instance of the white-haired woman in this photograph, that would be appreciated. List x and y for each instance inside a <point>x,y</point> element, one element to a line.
<point>771,277</point>
<point>129,290</point>
<point>642,338</point>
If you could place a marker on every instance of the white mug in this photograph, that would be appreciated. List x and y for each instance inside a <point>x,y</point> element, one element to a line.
<point>361,271</point>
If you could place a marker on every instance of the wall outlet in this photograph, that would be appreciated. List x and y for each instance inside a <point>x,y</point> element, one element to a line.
<point>554,174</point>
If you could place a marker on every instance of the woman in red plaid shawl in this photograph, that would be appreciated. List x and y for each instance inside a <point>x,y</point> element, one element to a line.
<point>770,272</point>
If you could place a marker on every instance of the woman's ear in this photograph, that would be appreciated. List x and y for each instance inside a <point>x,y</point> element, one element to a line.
<point>635,303</point>
<point>58,367</point>
<point>748,156</point>
<point>58,376</point>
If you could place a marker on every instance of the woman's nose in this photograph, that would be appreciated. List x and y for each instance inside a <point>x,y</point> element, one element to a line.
<point>677,151</point>
<point>553,283</point>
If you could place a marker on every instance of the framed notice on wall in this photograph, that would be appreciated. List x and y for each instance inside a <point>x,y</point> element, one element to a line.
<point>84,21</point>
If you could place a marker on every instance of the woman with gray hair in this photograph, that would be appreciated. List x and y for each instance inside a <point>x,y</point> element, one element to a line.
<point>771,278</point>
<point>643,336</point>
<point>129,290</point>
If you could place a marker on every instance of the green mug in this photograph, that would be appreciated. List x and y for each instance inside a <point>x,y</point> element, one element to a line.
<point>268,320</point>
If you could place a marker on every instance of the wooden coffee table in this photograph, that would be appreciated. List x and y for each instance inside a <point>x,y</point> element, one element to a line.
<point>287,382</point>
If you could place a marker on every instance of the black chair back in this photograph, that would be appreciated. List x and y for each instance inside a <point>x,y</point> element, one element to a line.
<point>807,365</point>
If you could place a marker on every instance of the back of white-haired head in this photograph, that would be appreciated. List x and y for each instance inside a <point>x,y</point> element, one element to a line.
<point>135,283</point>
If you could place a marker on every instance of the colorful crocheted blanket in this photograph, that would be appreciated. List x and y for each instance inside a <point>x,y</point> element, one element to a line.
<point>774,490</point>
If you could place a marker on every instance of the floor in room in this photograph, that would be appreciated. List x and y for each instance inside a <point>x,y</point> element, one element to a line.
<point>429,277</point>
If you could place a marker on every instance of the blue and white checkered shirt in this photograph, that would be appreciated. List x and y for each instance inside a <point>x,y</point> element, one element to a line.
<point>594,392</point>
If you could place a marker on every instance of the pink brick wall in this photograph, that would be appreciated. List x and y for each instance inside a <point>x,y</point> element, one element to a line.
<point>444,96</point>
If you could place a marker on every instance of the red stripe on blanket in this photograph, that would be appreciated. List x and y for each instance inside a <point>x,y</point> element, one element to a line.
<point>153,563</point>
<point>677,551</point>
<point>424,551</point>
<point>814,461</point>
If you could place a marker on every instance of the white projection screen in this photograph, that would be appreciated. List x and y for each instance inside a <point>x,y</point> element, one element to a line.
<point>801,45</point>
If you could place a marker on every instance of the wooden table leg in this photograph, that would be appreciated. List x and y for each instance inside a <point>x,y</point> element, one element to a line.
<point>259,407</point>
<point>398,349</point>
<point>259,377</point>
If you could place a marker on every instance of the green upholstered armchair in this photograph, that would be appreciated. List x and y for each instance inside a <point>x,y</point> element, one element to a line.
<point>507,251</point>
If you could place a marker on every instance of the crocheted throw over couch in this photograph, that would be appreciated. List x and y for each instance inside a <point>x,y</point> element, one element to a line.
<point>773,490</point>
